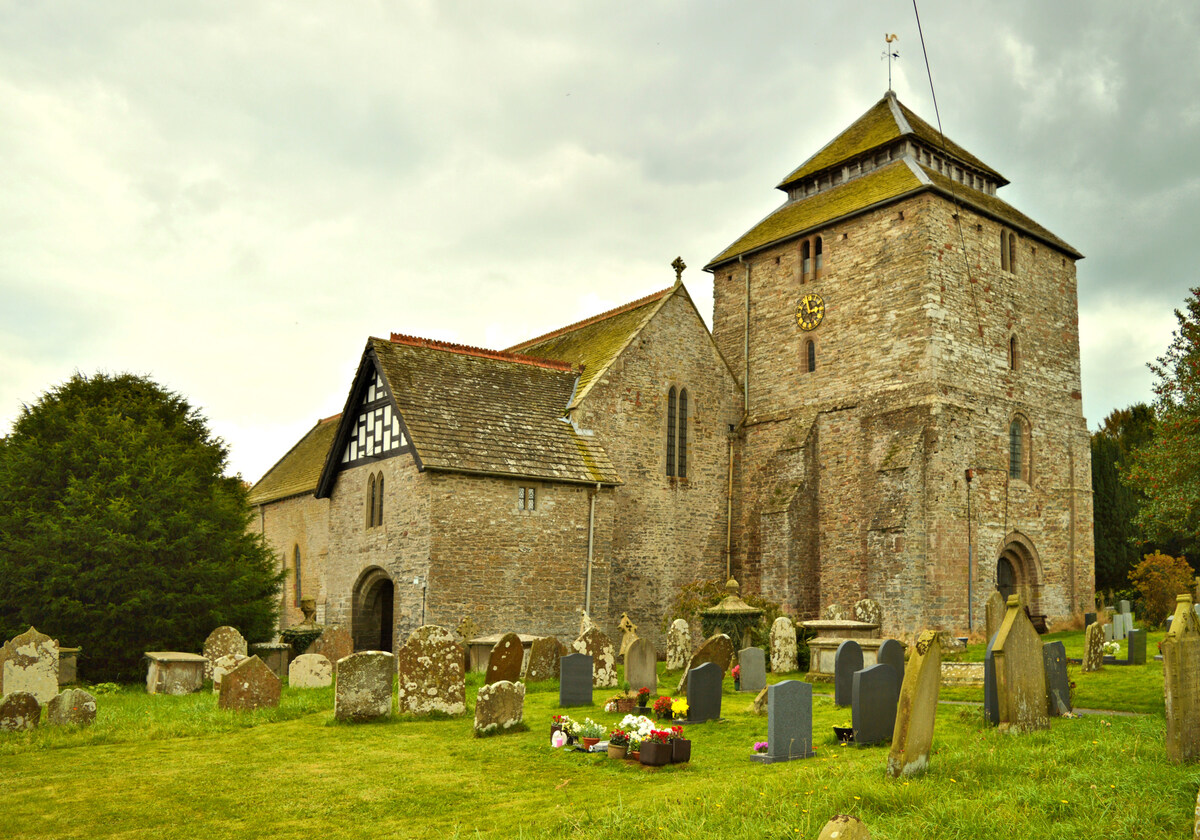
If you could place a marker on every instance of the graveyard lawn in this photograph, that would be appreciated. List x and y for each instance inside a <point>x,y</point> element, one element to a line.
<point>154,764</point>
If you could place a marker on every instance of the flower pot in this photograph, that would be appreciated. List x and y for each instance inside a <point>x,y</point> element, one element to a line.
<point>844,734</point>
<point>681,750</point>
<point>643,710</point>
<point>737,685</point>
<point>655,754</point>
<point>588,743</point>
<point>664,715</point>
<point>635,755</point>
<point>617,750</point>
<point>626,706</point>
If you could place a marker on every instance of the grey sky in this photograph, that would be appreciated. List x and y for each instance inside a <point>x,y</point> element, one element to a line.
<point>231,197</point>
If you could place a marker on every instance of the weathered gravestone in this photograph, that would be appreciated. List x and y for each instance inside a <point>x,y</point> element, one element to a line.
<point>364,686</point>
<point>499,707</point>
<point>310,670</point>
<point>1058,683</point>
<point>1181,683</point>
<point>753,664</point>
<point>73,707</point>
<point>251,685</point>
<point>760,701</point>
<point>223,666</point>
<point>993,613</point>
<point>1122,606</point>
<point>275,654</point>
<point>628,633</point>
<point>641,666</point>
<point>1137,648</point>
<point>868,611</point>
<point>912,738</point>
<point>1119,628</point>
<point>174,672</point>
<point>789,722</point>
<point>704,692</point>
<point>1020,673</point>
<point>544,654</point>
<point>429,673</point>
<point>1108,633</point>
<point>222,642</point>
<point>29,663</point>
<point>845,827</point>
<point>991,704</point>
<point>717,649</point>
<point>783,645</point>
<point>1093,648</point>
<point>679,642</point>
<point>834,612</point>
<point>595,644</point>
<point>846,661</point>
<point>335,644</point>
<point>876,692</point>
<point>586,623</point>
<point>19,711</point>
<point>891,652</point>
<point>504,664</point>
<point>575,680</point>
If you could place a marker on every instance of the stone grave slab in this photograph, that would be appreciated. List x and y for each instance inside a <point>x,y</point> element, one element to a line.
<point>876,693</point>
<point>1136,654</point>
<point>19,711</point>
<point>783,645</point>
<point>174,672</point>
<point>335,643</point>
<point>364,686</point>
<point>73,707</point>
<point>891,652</point>
<point>704,692</point>
<point>429,673</point>
<point>310,670</point>
<point>249,686</point>
<point>223,666</point>
<point>1020,673</point>
<point>846,662</point>
<point>575,680</point>
<point>717,649</point>
<point>916,710</point>
<point>994,613</point>
<point>789,722</point>
<point>1093,648</point>
<point>595,644</point>
<point>991,704</point>
<point>1181,683</point>
<point>505,662</point>
<point>868,611</point>
<point>544,654</point>
<point>753,664</point>
<point>29,663</point>
<point>499,707</point>
<point>641,666</point>
<point>1058,682</point>
<point>679,642</point>
<point>223,641</point>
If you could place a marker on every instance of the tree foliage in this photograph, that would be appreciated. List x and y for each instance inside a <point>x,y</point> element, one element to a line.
<point>119,531</point>
<point>1115,502</point>
<point>1159,579</point>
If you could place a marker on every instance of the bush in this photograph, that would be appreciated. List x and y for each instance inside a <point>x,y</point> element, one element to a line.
<point>1160,578</point>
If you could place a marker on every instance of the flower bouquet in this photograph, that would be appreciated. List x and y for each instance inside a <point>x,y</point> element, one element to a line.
<point>656,748</point>
<point>618,743</point>
<point>679,709</point>
<point>662,707</point>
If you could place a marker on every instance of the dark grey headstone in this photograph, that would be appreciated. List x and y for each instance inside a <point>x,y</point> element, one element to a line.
<point>1123,606</point>
<point>753,663</point>
<point>991,699</point>
<point>873,708</point>
<point>789,722</point>
<point>704,692</point>
<point>846,661</point>
<point>575,680</point>
<point>891,652</point>
<point>1137,647</point>
<point>1088,620</point>
<point>1058,684</point>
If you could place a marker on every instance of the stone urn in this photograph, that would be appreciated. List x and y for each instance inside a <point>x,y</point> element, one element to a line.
<point>308,606</point>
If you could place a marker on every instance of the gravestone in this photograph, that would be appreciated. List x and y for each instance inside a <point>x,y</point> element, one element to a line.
<point>174,672</point>
<point>753,664</point>
<point>544,654</point>
<point>717,649</point>
<point>222,642</point>
<point>1093,648</point>
<point>1119,630</point>
<point>505,661</point>
<point>1108,633</point>
<point>595,644</point>
<point>834,612</point>
<point>1020,673</point>
<point>783,645</point>
<point>846,660</point>
<point>575,680</point>
<point>19,710</point>
<point>251,685</point>
<point>994,613</point>
<point>868,610</point>
<point>1137,648</point>
<point>1181,683</point>
<point>466,629</point>
<point>429,673</point>
<point>1088,619</point>
<point>499,707</point>
<point>704,692</point>
<point>276,655</point>
<point>628,633</point>
<point>876,693</point>
<point>789,722</point>
<point>760,701</point>
<point>1123,606</point>
<point>586,623</point>
<point>679,642</point>
<point>991,704</point>
<point>29,663</point>
<point>641,666</point>
<point>335,644</point>
<point>891,652</point>
<point>364,686</point>
<point>223,666</point>
<point>916,709</point>
<point>1058,683</point>
<point>310,670</point>
<point>74,707</point>
<point>845,827</point>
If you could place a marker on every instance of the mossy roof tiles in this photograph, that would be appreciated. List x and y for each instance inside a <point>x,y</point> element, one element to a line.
<point>297,472</point>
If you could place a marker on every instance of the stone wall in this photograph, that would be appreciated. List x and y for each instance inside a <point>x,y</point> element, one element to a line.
<point>301,521</point>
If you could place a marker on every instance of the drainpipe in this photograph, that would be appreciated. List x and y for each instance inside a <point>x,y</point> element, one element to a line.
<point>729,516</point>
<point>587,595</point>
<point>746,342</point>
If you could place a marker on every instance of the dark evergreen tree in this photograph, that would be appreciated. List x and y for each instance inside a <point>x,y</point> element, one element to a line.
<point>119,531</point>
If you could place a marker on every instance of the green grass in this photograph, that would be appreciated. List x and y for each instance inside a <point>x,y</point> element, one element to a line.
<point>155,766</point>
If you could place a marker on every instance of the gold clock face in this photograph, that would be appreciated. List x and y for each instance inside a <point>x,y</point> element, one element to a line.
<point>810,311</point>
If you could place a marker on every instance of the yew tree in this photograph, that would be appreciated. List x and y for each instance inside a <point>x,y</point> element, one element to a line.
<point>119,530</point>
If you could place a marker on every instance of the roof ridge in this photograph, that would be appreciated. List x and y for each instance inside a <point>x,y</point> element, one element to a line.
<point>481,352</point>
<point>593,319</point>
<point>330,417</point>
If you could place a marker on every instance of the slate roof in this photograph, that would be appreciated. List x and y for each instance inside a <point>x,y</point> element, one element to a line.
<point>297,472</point>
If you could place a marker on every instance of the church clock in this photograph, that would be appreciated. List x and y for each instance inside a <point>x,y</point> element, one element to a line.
<point>810,311</point>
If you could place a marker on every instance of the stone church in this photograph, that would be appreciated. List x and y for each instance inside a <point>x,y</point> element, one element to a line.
<point>888,406</point>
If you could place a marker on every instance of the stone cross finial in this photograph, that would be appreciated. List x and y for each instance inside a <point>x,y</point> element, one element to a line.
<point>679,265</point>
<point>627,624</point>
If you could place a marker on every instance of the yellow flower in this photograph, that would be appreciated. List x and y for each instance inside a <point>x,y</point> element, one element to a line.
<point>680,706</point>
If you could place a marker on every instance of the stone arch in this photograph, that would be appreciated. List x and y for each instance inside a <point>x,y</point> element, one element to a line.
<point>373,606</point>
<point>1018,563</point>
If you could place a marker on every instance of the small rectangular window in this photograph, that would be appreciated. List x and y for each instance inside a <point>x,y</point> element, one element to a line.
<point>531,499</point>
<point>521,498</point>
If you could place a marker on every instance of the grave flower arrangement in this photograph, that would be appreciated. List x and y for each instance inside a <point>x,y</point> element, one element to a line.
<point>737,676</point>
<point>1112,648</point>
<point>643,697</point>
<point>679,708</point>
<point>618,738</point>
<point>662,707</point>
<point>760,746</point>
<point>656,748</point>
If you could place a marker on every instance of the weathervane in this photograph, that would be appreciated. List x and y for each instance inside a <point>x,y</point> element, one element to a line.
<point>679,265</point>
<point>891,54</point>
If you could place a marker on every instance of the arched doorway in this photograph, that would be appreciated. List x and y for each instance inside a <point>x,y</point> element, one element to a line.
<point>373,610</point>
<point>1019,572</point>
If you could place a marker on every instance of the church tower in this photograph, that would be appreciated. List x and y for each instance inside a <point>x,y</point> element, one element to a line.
<point>907,345</point>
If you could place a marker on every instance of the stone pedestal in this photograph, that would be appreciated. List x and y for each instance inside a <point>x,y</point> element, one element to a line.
<point>275,655</point>
<point>172,672</point>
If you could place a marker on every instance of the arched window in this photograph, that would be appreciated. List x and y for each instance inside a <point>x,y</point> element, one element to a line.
<point>296,573</point>
<point>819,257</point>
<point>805,259</point>
<point>379,500</point>
<point>1004,250</point>
<point>1013,357</point>
<point>671,431</point>
<point>810,356</point>
<point>370,517</point>
<point>683,433</point>
<point>1019,455</point>
<point>1012,253</point>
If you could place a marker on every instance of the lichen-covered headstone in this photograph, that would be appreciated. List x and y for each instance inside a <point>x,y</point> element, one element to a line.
<point>834,612</point>
<point>499,707</point>
<point>19,711</point>
<point>912,738</point>
<point>595,644</point>
<point>73,707</point>
<point>847,659</point>
<point>845,827</point>
<point>364,686</point>
<point>250,685</point>
<point>783,645</point>
<point>335,644</point>
<point>504,663</point>
<point>679,643</point>
<point>993,613</point>
<point>223,666</point>
<point>223,641</point>
<point>717,649</point>
<point>1181,683</point>
<point>544,654</point>
<point>1020,673</point>
<point>586,623</point>
<point>29,663</point>
<point>628,633</point>
<point>868,610</point>
<point>310,670</point>
<point>1093,648</point>
<point>429,673</point>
